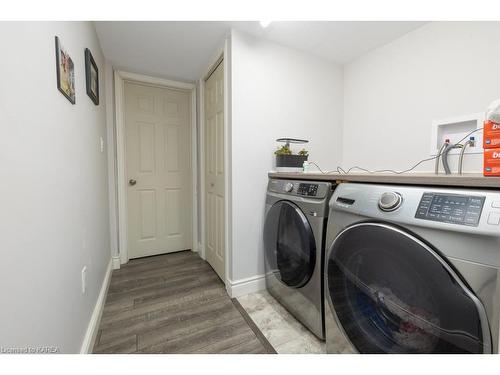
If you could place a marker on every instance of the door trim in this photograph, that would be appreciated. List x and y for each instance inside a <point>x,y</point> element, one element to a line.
<point>121,186</point>
<point>221,54</point>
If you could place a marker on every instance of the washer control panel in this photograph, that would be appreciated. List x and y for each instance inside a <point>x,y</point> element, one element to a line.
<point>451,208</point>
<point>390,201</point>
<point>310,190</point>
<point>304,189</point>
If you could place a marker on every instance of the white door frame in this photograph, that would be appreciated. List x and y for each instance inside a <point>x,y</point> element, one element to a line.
<point>120,78</point>
<point>222,54</point>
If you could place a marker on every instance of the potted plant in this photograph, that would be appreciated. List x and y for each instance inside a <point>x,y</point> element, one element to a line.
<point>285,157</point>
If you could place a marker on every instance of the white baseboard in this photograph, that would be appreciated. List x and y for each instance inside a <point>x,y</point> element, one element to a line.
<point>95,319</point>
<point>201,251</point>
<point>116,262</point>
<point>238,288</point>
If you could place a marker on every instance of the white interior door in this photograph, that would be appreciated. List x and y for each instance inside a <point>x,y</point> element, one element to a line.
<point>214,171</point>
<point>158,165</point>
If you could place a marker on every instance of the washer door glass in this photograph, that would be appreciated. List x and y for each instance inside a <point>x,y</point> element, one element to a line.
<point>290,249</point>
<point>392,293</point>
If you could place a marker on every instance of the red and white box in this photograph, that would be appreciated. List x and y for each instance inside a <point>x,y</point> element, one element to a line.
<point>491,165</point>
<point>491,135</point>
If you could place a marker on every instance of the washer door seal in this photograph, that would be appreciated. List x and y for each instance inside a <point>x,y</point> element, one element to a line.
<point>290,247</point>
<point>392,293</point>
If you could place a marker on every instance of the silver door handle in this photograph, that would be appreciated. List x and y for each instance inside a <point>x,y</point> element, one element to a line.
<point>132,182</point>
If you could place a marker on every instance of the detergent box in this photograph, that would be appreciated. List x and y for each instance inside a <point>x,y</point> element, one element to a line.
<point>491,135</point>
<point>491,162</point>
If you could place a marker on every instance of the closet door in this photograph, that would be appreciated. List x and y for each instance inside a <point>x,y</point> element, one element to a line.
<point>215,219</point>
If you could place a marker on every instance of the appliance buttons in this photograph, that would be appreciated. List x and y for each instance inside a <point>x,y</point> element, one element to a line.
<point>471,220</point>
<point>289,187</point>
<point>390,201</point>
<point>494,218</point>
<point>495,204</point>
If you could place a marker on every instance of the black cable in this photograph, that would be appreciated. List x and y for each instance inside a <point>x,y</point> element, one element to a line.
<point>342,171</point>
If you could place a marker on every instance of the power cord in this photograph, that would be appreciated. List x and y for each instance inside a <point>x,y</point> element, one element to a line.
<point>317,166</point>
<point>339,170</point>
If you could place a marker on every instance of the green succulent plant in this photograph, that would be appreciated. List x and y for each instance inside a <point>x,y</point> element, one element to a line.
<point>283,150</point>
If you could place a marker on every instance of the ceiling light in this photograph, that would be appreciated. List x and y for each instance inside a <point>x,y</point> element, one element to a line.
<point>265,24</point>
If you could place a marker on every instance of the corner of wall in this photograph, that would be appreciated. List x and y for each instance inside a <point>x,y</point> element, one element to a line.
<point>111,147</point>
<point>95,318</point>
<point>238,288</point>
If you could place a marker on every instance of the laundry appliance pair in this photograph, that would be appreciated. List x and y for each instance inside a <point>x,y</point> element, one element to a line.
<point>386,268</point>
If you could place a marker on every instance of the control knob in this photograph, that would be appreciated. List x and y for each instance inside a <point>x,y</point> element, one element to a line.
<point>288,187</point>
<point>390,201</point>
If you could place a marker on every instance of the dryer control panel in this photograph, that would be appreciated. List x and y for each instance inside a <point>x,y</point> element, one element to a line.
<point>308,189</point>
<point>451,208</point>
<point>304,189</point>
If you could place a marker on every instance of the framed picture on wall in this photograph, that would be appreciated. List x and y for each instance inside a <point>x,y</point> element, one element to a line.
<point>91,77</point>
<point>65,73</point>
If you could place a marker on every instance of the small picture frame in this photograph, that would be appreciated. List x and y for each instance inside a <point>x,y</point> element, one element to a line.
<point>65,72</point>
<point>91,77</point>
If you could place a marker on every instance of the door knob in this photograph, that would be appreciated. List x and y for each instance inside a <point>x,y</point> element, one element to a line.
<point>132,182</point>
<point>212,184</point>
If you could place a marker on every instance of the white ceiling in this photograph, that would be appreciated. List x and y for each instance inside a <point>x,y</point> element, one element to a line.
<point>182,50</point>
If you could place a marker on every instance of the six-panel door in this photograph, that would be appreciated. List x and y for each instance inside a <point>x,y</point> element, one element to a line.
<point>214,171</point>
<point>158,163</point>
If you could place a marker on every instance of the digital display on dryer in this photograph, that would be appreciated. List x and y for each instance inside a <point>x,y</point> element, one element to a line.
<point>451,208</point>
<point>310,190</point>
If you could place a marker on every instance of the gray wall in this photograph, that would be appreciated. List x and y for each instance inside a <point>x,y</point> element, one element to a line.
<point>392,94</point>
<point>54,211</point>
<point>276,92</point>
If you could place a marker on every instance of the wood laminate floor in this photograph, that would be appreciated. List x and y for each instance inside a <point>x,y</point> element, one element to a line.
<point>174,303</point>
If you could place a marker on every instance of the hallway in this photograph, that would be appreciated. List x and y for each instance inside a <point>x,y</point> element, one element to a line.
<point>174,303</point>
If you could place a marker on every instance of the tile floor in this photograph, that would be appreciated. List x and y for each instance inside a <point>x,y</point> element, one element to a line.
<point>281,329</point>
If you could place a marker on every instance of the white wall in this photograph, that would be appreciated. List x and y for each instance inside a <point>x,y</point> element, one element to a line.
<point>276,92</point>
<point>392,94</point>
<point>54,204</point>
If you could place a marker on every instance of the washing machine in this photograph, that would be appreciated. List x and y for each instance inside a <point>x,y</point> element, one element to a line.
<point>412,270</point>
<point>294,236</point>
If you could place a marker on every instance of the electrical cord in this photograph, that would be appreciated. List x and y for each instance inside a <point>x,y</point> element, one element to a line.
<point>339,170</point>
<point>317,166</point>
